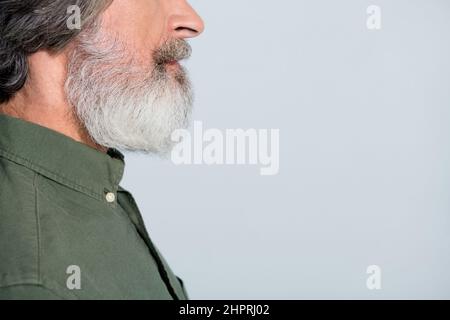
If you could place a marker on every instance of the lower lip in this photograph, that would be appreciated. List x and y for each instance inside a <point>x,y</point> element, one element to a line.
<point>172,63</point>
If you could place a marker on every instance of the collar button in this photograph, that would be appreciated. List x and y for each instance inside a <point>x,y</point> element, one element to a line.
<point>110,197</point>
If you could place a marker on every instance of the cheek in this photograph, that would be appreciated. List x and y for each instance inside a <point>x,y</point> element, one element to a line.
<point>139,23</point>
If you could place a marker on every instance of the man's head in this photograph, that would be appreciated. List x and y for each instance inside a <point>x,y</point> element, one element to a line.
<point>122,79</point>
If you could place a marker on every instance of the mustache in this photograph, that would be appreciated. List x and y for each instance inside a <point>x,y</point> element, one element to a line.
<point>172,50</point>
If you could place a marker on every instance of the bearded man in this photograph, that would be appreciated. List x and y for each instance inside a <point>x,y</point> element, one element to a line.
<point>70,99</point>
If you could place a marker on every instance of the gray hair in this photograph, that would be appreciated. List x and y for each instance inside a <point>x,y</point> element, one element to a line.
<point>27,26</point>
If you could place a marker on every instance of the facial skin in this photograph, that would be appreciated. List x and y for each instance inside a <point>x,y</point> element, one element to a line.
<point>141,26</point>
<point>146,24</point>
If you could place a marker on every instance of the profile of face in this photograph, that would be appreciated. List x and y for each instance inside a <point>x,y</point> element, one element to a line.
<point>125,80</point>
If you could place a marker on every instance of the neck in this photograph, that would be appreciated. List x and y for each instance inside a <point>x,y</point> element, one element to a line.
<point>43,101</point>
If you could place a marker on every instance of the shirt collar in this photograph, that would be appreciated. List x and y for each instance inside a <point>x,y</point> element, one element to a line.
<point>61,158</point>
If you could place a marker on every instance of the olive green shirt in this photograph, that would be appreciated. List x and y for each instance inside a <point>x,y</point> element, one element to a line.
<point>67,229</point>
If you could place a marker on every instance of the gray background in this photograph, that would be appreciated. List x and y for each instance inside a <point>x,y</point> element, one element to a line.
<point>364,177</point>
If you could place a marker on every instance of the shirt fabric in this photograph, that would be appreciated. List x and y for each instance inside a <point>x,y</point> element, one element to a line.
<point>67,229</point>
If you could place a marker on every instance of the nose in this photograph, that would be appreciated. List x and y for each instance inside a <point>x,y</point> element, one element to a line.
<point>185,22</point>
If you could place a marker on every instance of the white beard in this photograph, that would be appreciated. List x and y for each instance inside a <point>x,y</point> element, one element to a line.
<point>122,104</point>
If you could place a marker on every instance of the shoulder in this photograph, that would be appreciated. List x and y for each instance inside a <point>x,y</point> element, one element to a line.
<point>29,292</point>
<point>18,231</point>
<point>21,276</point>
